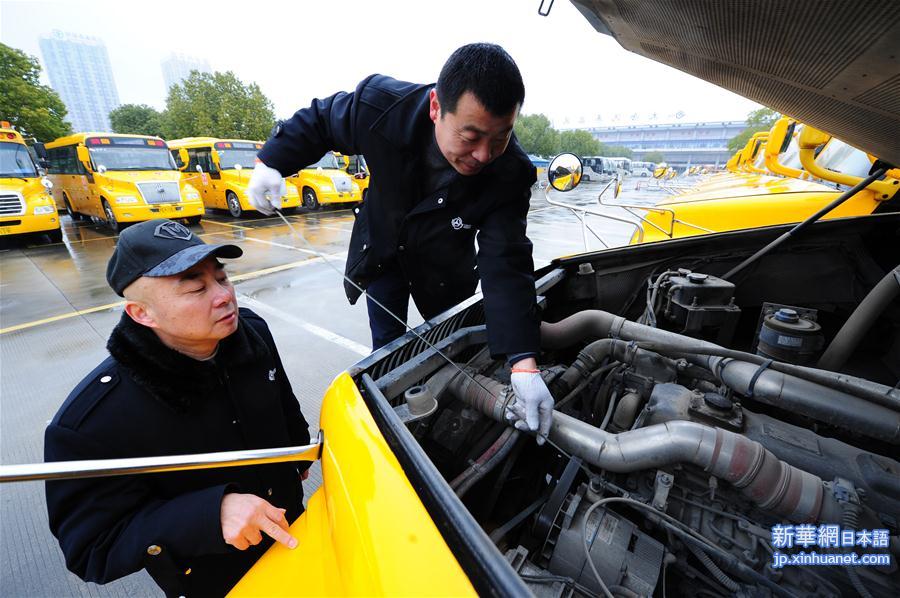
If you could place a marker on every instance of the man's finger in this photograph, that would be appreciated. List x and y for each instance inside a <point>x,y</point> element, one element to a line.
<point>253,536</point>
<point>531,415</point>
<point>277,515</point>
<point>274,531</point>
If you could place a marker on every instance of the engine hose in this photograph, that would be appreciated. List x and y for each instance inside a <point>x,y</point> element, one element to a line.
<point>772,484</point>
<point>718,574</point>
<point>493,456</point>
<point>869,407</point>
<point>860,321</point>
<point>850,519</point>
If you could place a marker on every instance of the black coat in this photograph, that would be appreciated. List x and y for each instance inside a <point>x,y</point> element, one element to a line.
<point>430,235</point>
<point>148,400</point>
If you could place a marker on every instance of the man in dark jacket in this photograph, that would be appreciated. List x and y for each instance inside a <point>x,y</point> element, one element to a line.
<point>445,165</point>
<point>188,373</point>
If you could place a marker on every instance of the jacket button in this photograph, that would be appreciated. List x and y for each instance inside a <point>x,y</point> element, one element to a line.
<point>187,571</point>
<point>401,248</point>
<point>440,200</point>
<point>269,492</point>
<point>356,210</point>
<point>105,379</point>
<point>153,550</point>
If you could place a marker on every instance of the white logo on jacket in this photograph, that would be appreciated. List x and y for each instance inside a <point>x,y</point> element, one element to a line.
<point>457,224</point>
<point>272,374</point>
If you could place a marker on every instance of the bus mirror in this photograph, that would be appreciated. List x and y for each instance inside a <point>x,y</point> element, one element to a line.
<point>199,169</point>
<point>780,136</point>
<point>238,167</point>
<point>811,138</point>
<point>183,156</point>
<point>40,151</point>
<point>47,183</point>
<point>44,163</point>
<point>84,156</point>
<point>565,172</point>
<point>101,169</point>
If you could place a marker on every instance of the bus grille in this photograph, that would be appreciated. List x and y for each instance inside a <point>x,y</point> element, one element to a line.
<point>162,192</point>
<point>11,204</point>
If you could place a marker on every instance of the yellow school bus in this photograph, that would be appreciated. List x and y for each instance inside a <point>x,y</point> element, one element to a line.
<point>216,167</point>
<point>357,167</point>
<point>326,182</point>
<point>26,205</point>
<point>119,179</point>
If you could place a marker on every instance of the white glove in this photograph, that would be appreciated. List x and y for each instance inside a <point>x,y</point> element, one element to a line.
<point>533,406</point>
<point>266,188</point>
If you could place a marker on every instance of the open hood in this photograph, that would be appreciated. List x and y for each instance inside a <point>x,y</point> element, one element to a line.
<point>834,65</point>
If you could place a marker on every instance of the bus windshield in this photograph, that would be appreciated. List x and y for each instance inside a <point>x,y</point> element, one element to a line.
<point>841,157</point>
<point>229,158</point>
<point>132,158</point>
<point>329,160</point>
<point>15,161</point>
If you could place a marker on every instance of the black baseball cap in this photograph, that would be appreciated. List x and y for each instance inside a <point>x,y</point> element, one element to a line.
<point>159,248</point>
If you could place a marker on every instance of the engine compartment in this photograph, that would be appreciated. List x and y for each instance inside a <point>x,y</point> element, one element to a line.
<point>690,418</point>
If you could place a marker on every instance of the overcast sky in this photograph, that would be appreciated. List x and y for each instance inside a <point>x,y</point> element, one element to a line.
<point>299,50</point>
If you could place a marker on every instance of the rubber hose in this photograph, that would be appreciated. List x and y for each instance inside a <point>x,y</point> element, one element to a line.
<point>860,321</point>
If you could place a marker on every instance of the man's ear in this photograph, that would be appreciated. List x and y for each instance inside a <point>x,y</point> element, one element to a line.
<point>434,106</point>
<point>138,312</point>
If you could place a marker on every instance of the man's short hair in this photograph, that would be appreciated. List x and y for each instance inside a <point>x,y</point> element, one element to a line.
<point>487,71</point>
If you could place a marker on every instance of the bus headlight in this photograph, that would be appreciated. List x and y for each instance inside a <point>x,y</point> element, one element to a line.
<point>40,210</point>
<point>126,199</point>
<point>327,189</point>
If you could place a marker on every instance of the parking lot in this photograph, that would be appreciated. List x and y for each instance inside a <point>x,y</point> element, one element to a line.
<point>56,312</point>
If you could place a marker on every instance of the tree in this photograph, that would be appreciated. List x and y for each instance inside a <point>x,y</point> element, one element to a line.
<point>655,157</point>
<point>137,119</point>
<point>536,135</point>
<point>757,121</point>
<point>580,143</point>
<point>34,109</point>
<point>217,105</point>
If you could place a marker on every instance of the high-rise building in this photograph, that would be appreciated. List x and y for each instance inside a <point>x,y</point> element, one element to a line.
<point>79,70</point>
<point>177,67</point>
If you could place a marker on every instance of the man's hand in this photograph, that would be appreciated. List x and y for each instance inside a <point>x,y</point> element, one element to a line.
<point>266,188</point>
<point>245,517</point>
<point>534,404</point>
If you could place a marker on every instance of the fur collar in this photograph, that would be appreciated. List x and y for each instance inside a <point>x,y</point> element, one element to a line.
<point>171,377</point>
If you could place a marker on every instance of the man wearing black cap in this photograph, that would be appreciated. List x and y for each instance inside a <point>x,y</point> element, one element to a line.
<point>188,372</point>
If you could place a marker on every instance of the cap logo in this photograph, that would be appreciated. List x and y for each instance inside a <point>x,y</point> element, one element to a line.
<point>174,231</point>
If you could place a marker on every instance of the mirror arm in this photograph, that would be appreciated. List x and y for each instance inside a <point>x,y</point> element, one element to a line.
<point>885,189</point>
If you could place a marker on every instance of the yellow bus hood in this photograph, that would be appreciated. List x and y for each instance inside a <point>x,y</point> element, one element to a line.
<point>365,530</point>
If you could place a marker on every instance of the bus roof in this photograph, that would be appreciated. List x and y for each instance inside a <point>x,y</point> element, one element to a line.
<point>80,137</point>
<point>202,141</point>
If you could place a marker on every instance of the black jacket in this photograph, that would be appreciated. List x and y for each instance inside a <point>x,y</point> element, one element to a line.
<point>430,235</point>
<point>148,400</point>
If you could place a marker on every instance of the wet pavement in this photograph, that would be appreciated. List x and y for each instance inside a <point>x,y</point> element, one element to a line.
<point>56,312</point>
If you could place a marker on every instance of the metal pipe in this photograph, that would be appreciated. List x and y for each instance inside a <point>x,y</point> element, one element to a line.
<point>96,468</point>
<point>772,484</point>
<point>860,321</point>
<point>593,324</point>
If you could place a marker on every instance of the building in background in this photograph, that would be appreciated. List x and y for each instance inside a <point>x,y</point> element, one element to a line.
<point>79,70</point>
<point>177,67</point>
<point>682,144</point>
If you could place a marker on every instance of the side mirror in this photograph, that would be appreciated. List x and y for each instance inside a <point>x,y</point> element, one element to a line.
<point>84,156</point>
<point>40,150</point>
<point>564,172</point>
<point>47,183</point>
<point>44,163</point>
<point>780,138</point>
<point>101,169</point>
<point>184,157</point>
<point>199,169</point>
<point>238,167</point>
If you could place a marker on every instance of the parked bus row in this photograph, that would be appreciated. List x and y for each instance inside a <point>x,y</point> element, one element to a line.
<point>120,179</point>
